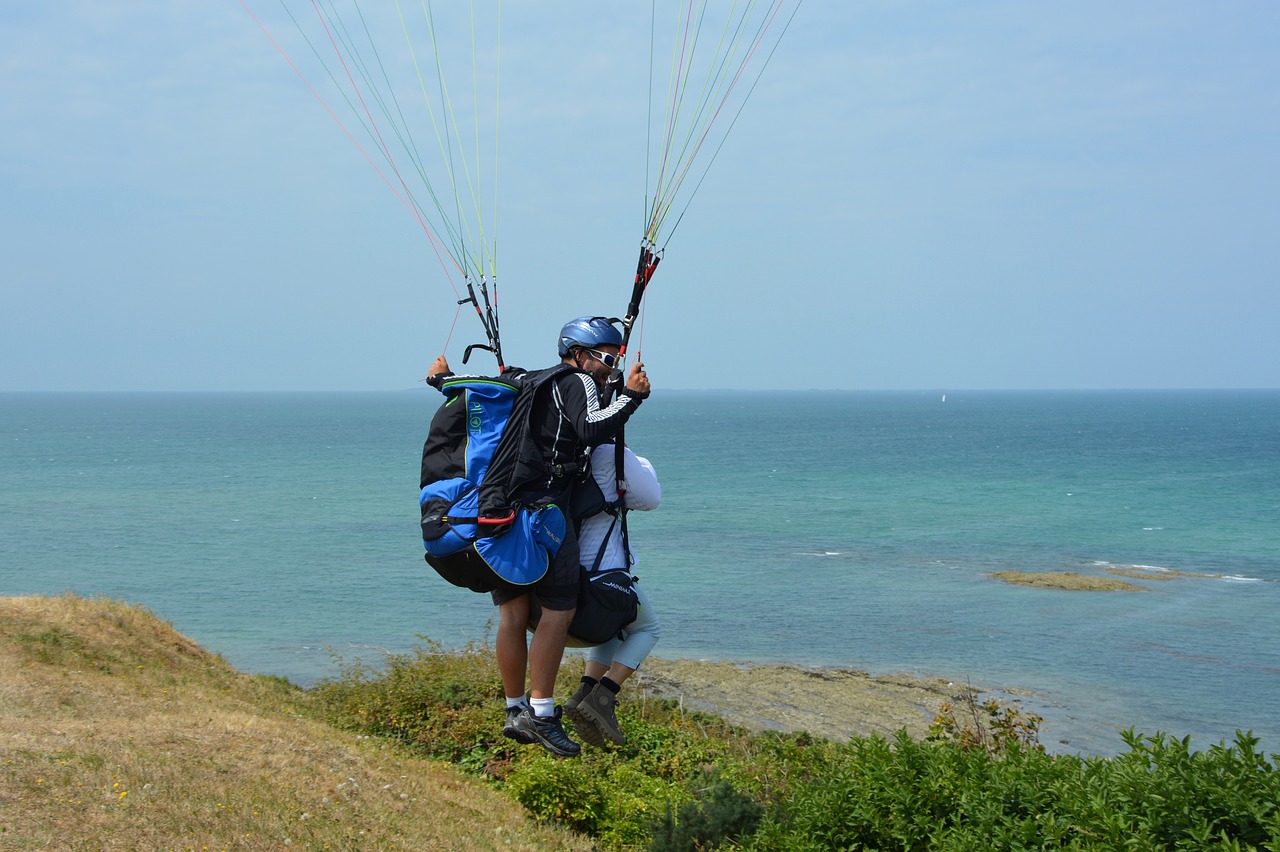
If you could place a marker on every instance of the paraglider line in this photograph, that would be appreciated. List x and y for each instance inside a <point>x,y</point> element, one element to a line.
<point>381,142</point>
<point>435,244</point>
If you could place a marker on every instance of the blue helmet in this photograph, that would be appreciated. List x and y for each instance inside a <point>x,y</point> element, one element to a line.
<point>588,333</point>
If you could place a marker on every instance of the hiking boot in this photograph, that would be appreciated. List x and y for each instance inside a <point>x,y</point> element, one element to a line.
<point>548,731</point>
<point>599,706</point>
<point>580,693</point>
<point>584,727</point>
<point>511,731</point>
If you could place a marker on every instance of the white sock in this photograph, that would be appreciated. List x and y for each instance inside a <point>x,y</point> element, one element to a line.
<point>516,702</point>
<point>543,707</point>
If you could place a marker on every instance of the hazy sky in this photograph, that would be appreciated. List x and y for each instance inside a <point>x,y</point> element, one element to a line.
<point>918,195</point>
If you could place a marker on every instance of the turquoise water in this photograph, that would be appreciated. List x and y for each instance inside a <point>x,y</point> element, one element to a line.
<point>849,529</point>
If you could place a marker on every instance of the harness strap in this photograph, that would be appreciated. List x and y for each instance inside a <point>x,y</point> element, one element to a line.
<point>604,545</point>
<point>620,477</point>
<point>619,513</point>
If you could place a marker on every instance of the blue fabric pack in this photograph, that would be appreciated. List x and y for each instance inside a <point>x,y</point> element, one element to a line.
<point>481,553</point>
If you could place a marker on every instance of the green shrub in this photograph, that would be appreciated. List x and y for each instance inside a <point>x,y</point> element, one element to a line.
<point>719,814</point>
<point>668,745</point>
<point>981,781</point>
<point>441,702</point>
<point>564,791</point>
<point>634,801</point>
<point>1181,798</point>
<point>949,795</point>
<point>599,794</point>
<point>990,726</point>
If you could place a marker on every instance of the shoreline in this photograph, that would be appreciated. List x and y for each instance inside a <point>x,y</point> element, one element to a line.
<point>840,702</point>
<point>832,703</point>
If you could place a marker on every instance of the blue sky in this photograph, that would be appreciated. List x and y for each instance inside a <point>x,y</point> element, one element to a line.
<point>918,195</point>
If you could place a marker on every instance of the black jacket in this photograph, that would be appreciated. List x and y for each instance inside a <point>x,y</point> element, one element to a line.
<point>567,420</point>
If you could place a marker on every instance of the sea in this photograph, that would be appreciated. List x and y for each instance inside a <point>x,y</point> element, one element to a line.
<point>857,530</point>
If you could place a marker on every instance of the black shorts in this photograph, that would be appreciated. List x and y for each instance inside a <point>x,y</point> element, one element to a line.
<point>558,588</point>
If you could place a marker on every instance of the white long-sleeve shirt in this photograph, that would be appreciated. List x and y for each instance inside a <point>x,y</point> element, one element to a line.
<point>644,493</point>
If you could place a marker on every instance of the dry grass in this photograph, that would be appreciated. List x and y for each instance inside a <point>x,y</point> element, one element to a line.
<point>116,732</point>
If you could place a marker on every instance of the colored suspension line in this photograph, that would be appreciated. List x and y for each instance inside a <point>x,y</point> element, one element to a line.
<point>683,139</point>
<point>357,71</point>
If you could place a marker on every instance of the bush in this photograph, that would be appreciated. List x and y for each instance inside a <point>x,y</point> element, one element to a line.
<point>718,814</point>
<point>634,802</point>
<point>597,794</point>
<point>564,791</point>
<point>990,726</point>
<point>1180,798</point>
<point>443,703</point>
<point>981,781</point>
<point>950,795</point>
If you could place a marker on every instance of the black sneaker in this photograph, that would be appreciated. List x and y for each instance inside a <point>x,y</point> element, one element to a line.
<point>548,731</point>
<point>510,730</point>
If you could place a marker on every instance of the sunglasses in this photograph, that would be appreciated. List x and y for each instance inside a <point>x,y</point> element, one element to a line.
<point>603,357</point>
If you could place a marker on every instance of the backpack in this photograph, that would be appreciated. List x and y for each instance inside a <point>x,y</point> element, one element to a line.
<point>478,454</point>
<point>606,601</point>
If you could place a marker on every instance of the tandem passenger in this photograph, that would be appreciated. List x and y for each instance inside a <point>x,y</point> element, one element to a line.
<point>592,707</point>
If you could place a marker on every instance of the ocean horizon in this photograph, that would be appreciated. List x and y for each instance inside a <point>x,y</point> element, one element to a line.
<point>854,529</point>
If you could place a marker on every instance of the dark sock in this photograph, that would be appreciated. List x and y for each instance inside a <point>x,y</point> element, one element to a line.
<point>589,681</point>
<point>610,685</point>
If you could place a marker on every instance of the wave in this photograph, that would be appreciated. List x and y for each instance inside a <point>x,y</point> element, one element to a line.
<point>1169,573</point>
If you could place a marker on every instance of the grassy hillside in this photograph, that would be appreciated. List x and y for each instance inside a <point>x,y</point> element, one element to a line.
<point>117,732</point>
